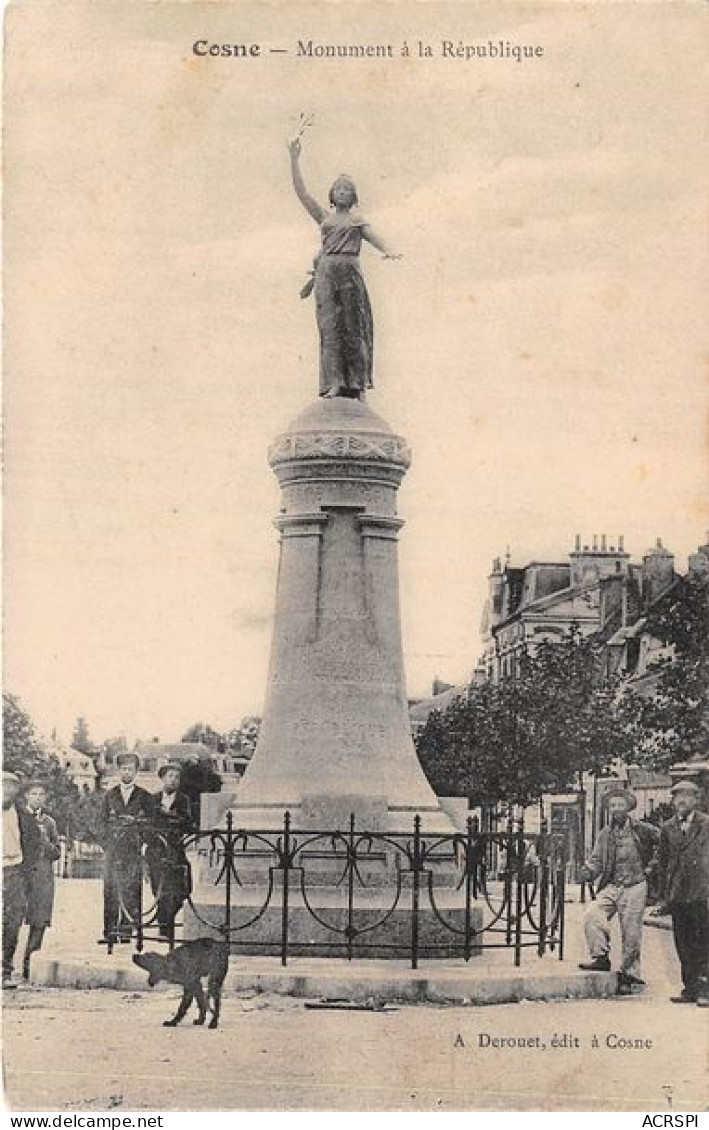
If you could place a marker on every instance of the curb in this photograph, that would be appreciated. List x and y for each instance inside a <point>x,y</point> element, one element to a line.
<point>358,986</point>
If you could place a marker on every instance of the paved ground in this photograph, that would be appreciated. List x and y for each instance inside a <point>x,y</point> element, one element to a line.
<point>69,1049</point>
<point>78,925</point>
<point>94,1050</point>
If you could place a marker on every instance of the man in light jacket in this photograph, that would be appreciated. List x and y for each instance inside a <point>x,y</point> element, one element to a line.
<point>623,856</point>
<point>20,850</point>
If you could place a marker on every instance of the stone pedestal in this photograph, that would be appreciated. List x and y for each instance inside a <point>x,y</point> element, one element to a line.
<point>335,738</point>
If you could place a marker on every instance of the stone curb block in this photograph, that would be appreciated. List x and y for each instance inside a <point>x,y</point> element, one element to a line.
<point>416,988</point>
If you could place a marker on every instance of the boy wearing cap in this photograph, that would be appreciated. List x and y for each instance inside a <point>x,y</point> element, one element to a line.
<point>684,885</point>
<point>40,874</point>
<point>622,858</point>
<point>125,808</point>
<point>20,850</point>
<point>167,863</point>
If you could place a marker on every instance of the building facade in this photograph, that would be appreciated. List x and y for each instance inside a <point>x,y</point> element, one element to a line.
<point>598,590</point>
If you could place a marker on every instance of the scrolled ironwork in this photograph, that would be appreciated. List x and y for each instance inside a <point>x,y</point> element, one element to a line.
<point>505,888</point>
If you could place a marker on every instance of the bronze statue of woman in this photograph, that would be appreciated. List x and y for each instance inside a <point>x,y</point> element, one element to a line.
<point>342,307</point>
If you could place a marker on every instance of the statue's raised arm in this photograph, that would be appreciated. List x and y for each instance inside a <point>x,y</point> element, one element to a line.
<point>342,306</point>
<point>309,203</point>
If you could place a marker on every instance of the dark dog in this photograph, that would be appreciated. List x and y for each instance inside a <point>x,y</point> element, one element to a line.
<point>186,966</point>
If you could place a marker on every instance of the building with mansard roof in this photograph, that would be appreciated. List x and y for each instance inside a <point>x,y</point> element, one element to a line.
<point>598,589</point>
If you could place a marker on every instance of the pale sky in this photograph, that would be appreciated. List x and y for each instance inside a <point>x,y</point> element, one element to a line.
<point>542,344</point>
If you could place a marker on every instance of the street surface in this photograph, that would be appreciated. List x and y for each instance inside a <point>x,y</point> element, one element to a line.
<point>68,1049</point>
<point>94,1050</point>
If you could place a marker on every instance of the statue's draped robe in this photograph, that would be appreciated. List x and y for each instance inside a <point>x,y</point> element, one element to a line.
<point>343,311</point>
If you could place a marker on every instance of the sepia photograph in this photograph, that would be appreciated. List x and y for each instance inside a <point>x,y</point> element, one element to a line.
<point>355,557</point>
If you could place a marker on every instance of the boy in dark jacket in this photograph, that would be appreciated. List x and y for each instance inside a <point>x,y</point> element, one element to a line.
<point>125,814</point>
<point>40,874</point>
<point>167,862</point>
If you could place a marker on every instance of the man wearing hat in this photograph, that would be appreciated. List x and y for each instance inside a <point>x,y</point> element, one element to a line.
<point>622,858</point>
<point>20,850</point>
<point>167,863</point>
<point>684,886</point>
<point>125,813</point>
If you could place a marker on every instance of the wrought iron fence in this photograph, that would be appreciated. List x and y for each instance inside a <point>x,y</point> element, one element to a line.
<point>466,891</point>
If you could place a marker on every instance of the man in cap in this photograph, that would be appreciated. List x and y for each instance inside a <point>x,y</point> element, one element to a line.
<point>684,886</point>
<point>167,863</point>
<point>20,850</point>
<point>125,812</point>
<point>623,856</point>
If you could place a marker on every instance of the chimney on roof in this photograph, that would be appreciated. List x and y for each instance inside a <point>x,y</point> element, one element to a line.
<point>591,564</point>
<point>578,542</point>
<point>658,571</point>
<point>699,561</point>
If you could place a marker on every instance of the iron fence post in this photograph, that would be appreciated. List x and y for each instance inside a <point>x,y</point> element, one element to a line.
<point>507,889</point>
<point>519,880</point>
<point>285,864</point>
<point>139,908</point>
<point>478,860</point>
<point>415,892</point>
<point>229,859</point>
<point>350,888</point>
<point>469,882</point>
<point>543,884</point>
<point>562,899</point>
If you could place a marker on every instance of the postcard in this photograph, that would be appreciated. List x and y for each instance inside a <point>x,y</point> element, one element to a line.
<point>333,332</point>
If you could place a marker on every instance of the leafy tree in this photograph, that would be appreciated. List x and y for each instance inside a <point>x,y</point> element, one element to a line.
<point>243,738</point>
<point>24,753</point>
<point>672,722</point>
<point>533,732</point>
<point>204,733</point>
<point>199,777</point>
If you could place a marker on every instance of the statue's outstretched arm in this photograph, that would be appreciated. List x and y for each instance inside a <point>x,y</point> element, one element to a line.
<point>309,203</point>
<point>371,236</point>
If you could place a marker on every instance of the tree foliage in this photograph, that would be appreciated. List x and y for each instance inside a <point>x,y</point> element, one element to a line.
<point>533,732</point>
<point>241,739</point>
<point>671,720</point>
<point>25,754</point>
<point>199,777</point>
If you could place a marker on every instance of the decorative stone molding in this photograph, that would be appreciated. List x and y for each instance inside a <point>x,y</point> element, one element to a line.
<point>339,445</point>
<point>301,525</point>
<point>380,526</point>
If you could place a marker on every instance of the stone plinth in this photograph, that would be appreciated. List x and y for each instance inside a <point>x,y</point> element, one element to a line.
<point>335,739</point>
<point>336,721</point>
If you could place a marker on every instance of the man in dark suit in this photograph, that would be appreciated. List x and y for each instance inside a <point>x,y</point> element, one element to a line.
<point>684,879</point>
<point>167,863</point>
<point>125,815</point>
<point>21,849</point>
